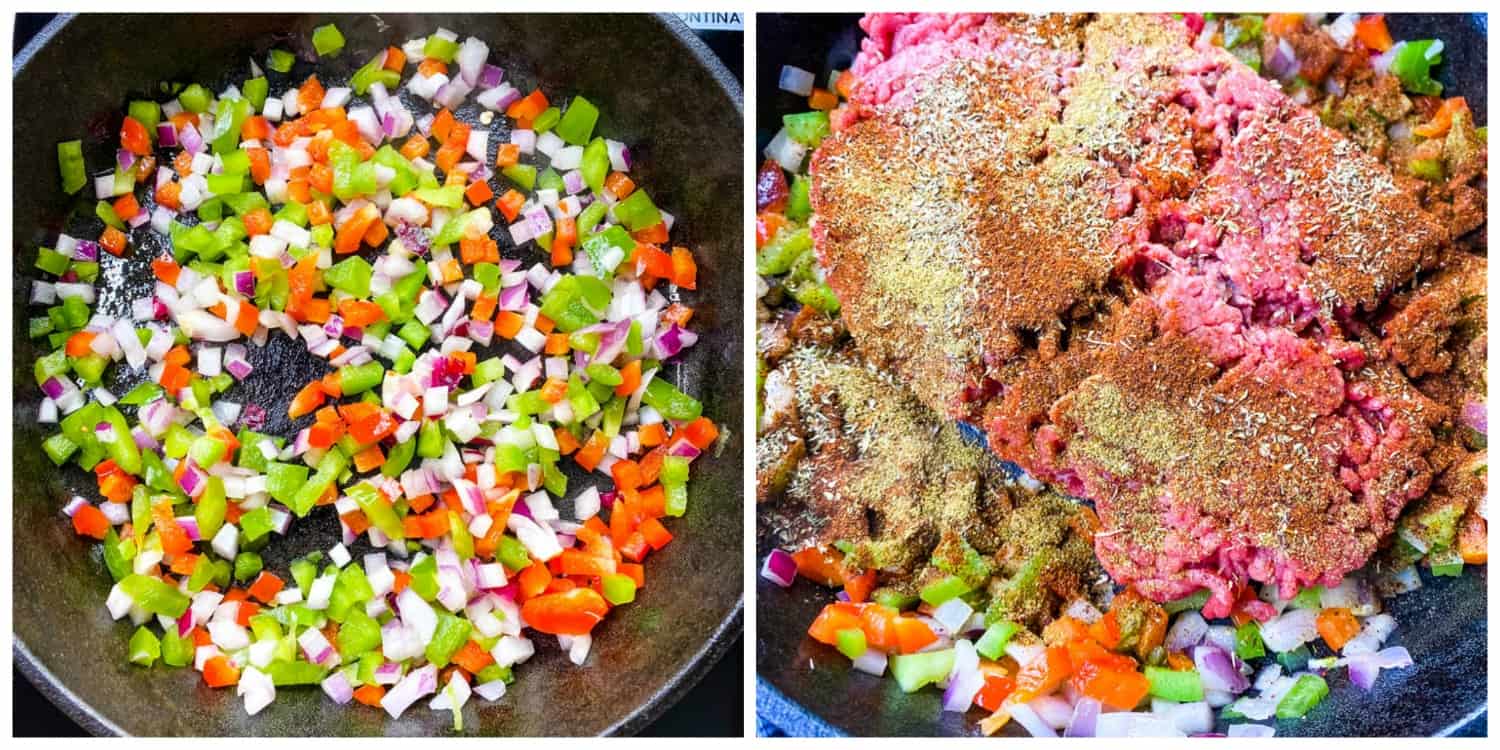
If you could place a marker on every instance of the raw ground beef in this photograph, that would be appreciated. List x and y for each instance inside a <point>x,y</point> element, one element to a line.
<point>1149,274</point>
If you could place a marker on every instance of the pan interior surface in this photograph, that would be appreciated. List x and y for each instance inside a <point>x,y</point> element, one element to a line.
<point>809,689</point>
<point>73,82</point>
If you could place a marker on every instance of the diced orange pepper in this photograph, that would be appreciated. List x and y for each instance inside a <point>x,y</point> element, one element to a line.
<point>655,533</point>
<point>655,234</point>
<point>533,579</point>
<point>395,59</point>
<point>170,195</point>
<point>508,155</point>
<point>309,398</point>
<point>166,269</point>
<point>592,452</point>
<point>1372,32</point>
<point>113,240</point>
<point>1044,674</point>
<point>415,147</point>
<point>89,521</point>
<point>484,307</point>
<point>448,156</point>
<point>823,565</point>
<point>310,95</point>
<point>352,233</point>
<point>684,268</point>
<point>510,204</point>
<point>266,587</point>
<point>701,432</point>
<point>134,138</point>
<point>1121,689</point>
<point>478,192</point>
<point>566,443</point>
<point>175,377</point>
<point>431,66</point>
<point>508,324</point>
<point>1442,120</point>
<point>78,345</point>
<point>369,459</point>
<point>126,207</point>
<point>835,617</point>
<point>858,587</point>
<point>174,540</point>
<point>822,100</point>
<point>845,83</point>
<point>1337,625</point>
<point>472,657</point>
<point>997,688</point>
<point>619,185</point>
<point>257,222</point>
<point>370,694</point>
<point>218,672</point>
<point>557,344</point>
<point>528,107</point>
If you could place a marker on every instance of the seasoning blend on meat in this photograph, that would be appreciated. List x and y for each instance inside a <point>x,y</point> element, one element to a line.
<point>1148,273</point>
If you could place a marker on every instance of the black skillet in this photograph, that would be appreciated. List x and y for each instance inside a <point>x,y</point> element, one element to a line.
<point>660,90</point>
<point>806,688</point>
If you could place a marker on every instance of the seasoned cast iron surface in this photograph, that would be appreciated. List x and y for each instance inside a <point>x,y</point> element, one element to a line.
<point>807,688</point>
<point>659,90</point>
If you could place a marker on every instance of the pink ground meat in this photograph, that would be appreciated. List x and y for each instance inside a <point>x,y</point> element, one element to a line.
<point>1247,263</point>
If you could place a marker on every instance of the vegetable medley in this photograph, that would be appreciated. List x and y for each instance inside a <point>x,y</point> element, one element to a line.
<point>458,381</point>
<point>1133,667</point>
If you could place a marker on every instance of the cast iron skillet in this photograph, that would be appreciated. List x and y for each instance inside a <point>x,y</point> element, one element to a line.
<point>73,81</point>
<point>807,688</point>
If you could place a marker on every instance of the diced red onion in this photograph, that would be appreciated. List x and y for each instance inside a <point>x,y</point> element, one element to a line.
<point>1084,718</point>
<point>795,80</point>
<point>498,98</point>
<point>1055,710</point>
<point>471,59</point>
<point>872,661</point>
<point>1282,64</point>
<point>74,506</point>
<point>166,134</point>
<point>1365,667</point>
<point>673,340</point>
<point>1030,721</point>
<point>419,683</point>
<point>191,139</point>
<point>1189,718</point>
<point>490,76</point>
<point>1251,730</point>
<point>1290,629</point>
<point>619,155</point>
<point>1133,724</point>
<point>1473,415</point>
<point>337,687</point>
<point>1218,670</point>
<point>779,568</point>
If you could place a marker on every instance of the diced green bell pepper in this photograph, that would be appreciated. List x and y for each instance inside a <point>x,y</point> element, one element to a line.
<point>637,212</point>
<point>618,588</point>
<point>327,40</point>
<point>1182,686</point>
<point>145,647</point>
<point>1306,694</point>
<point>914,671</point>
<point>671,402</point>
<point>992,644</point>
<point>378,509</point>
<point>1413,67</point>
<point>851,642</point>
<point>155,595</point>
<point>70,166</point>
<point>577,124</point>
